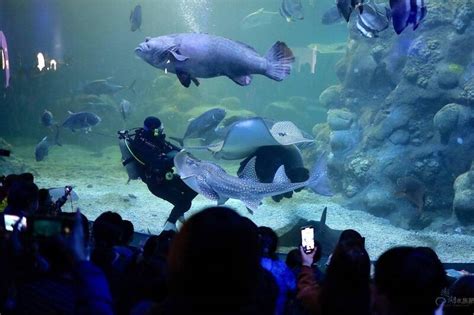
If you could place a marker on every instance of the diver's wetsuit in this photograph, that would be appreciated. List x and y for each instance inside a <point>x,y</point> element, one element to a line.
<point>270,158</point>
<point>157,154</point>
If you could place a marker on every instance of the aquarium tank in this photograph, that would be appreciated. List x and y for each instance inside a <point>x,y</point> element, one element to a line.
<point>371,106</point>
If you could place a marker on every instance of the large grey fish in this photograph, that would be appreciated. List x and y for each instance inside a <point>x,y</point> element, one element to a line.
<point>406,12</point>
<point>331,16</point>
<point>203,124</point>
<point>81,120</point>
<point>194,55</point>
<point>257,18</point>
<point>136,18</point>
<point>291,10</point>
<point>103,86</point>
<point>213,182</point>
<point>346,7</point>
<point>42,149</point>
<point>373,18</point>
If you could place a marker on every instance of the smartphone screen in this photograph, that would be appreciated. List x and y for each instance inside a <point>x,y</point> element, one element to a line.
<point>50,226</point>
<point>10,221</point>
<point>307,239</point>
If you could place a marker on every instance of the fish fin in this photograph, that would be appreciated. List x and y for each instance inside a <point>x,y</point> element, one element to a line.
<point>279,59</point>
<point>195,81</point>
<point>319,181</point>
<point>249,210</point>
<point>184,78</point>
<point>345,12</point>
<point>222,200</point>
<point>280,176</point>
<point>252,204</point>
<point>323,216</point>
<point>70,112</point>
<point>242,80</point>
<point>178,56</point>
<point>249,170</point>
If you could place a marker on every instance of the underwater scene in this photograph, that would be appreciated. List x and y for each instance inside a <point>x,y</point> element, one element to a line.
<point>367,105</point>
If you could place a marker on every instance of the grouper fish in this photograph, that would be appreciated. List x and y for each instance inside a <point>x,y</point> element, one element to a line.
<point>213,182</point>
<point>194,55</point>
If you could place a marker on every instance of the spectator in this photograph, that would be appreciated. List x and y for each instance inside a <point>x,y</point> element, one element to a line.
<point>463,289</point>
<point>22,198</point>
<point>294,262</point>
<point>408,280</point>
<point>215,267</point>
<point>346,285</point>
<point>283,275</point>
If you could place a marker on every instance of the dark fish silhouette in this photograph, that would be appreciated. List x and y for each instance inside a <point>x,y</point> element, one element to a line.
<point>406,12</point>
<point>290,236</point>
<point>413,190</point>
<point>136,18</point>
<point>346,7</point>
<point>81,120</point>
<point>125,108</point>
<point>201,125</point>
<point>47,119</point>
<point>195,55</point>
<point>42,148</point>
<point>291,10</point>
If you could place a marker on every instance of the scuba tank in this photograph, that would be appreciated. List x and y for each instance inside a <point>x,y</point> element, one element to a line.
<point>133,166</point>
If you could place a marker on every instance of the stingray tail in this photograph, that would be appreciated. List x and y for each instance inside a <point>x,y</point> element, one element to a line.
<point>279,60</point>
<point>318,180</point>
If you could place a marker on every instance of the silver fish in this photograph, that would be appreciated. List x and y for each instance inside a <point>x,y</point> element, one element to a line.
<point>373,18</point>
<point>136,18</point>
<point>291,10</point>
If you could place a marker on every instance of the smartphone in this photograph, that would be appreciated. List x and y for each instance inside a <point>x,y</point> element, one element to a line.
<point>10,221</point>
<point>307,239</point>
<point>43,227</point>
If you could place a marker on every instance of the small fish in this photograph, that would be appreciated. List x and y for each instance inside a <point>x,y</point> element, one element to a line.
<point>346,7</point>
<point>291,10</point>
<point>199,55</point>
<point>99,87</point>
<point>81,120</point>
<point>331,16</point>
<point>47,119</point>
<point>125,108</point>
<point>373,19</point>
<point>200,126</point>
<point>42,148</point>
<point>406,12</point>
<point>136,18</point>
<point>4,58</point>
<point>257,19</point>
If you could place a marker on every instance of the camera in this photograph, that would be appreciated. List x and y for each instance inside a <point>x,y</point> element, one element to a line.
<point>122,134</point>
<point>10,221</point>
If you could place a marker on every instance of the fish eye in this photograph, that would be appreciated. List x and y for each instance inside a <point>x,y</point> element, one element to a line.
<point>147,39</point>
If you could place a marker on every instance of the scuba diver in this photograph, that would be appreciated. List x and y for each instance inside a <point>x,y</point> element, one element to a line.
<point>148,156</point>
<point>269,158</point>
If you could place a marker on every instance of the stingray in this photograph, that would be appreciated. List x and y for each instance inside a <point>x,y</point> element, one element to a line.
<point>326,236</point>
<point>243,137</point>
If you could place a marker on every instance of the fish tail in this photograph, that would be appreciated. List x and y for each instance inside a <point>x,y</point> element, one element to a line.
<point>318,180</point>
<point>279,59</point>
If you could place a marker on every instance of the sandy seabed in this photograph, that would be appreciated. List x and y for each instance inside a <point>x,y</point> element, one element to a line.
<point>101,183</point>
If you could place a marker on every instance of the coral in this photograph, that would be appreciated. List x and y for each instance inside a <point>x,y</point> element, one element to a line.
<point>340,119</point>
<point>463,204</point>
<point>331,97</point>
<point>450,118</point>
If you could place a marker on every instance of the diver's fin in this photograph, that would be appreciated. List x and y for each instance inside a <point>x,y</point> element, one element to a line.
<point>178,56</point>
<point>280,176</point>
<point>184,78</point>
<point>222,200</point>
<point>249,171</point>
<point>242,80</point>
